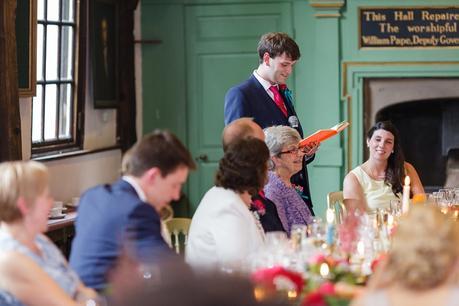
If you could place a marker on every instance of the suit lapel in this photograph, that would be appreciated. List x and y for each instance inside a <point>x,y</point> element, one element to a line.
<point>267,100</point>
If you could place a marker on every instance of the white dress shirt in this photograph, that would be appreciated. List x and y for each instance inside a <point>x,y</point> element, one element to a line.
<point>266,84</point>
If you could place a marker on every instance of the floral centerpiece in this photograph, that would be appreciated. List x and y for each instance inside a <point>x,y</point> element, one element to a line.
<point>330,283</point>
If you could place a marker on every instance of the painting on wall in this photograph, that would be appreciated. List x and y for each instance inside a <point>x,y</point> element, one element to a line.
<point>104,53</point>
<point>26,28</point>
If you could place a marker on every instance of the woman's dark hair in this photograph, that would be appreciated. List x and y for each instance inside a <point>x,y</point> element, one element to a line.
<point>244,166</point>
<point>395,171</point>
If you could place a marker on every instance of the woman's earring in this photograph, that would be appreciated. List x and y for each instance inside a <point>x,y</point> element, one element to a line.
<point>392,151</point>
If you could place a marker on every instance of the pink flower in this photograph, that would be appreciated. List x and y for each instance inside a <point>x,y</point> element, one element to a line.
<point>314,299</point>
<point>327,288</point>
<point>317,259</point>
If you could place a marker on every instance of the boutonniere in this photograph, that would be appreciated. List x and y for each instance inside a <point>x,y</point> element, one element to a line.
<point>258,207</point>
<point>298,188</point>
<point>282,86</point>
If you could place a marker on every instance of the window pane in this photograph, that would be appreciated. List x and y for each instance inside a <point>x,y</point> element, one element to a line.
<point>41,9</point>
<point>65,111</point>
<point>66,52</point>
<point>53,10</point>
<point>67,10</point>
<point>37,107</point>
<point>40,29</point>
<point>50,111</point>
<point>51,52</point>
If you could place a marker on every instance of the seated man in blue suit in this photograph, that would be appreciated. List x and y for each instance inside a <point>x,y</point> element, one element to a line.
<point>265,97</point>
<point>123,217</point>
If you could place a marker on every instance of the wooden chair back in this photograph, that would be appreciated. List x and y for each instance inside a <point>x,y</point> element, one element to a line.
<point>178,227</point>
<point>335,202</point>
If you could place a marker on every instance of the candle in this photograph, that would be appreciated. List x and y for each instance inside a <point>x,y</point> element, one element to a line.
<point>406,195</point>
<point>324,270</point>
<point>330,227</point>
<point>361,249</point>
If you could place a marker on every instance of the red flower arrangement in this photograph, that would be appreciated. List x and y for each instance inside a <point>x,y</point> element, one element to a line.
<point>277,278</point>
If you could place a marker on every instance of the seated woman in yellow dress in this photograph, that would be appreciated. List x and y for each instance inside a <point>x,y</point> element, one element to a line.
<point>379,180</point>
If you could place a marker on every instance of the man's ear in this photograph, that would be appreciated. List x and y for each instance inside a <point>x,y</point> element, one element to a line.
<point>22,205</point>
<point>266,59</point>
<point>152,174</point>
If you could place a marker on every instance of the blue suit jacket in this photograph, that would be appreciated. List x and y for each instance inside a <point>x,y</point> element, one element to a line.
<point>112,219</point>
<point>250,99</point>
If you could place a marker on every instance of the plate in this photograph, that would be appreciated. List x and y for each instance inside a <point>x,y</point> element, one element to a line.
<point>61,216</point>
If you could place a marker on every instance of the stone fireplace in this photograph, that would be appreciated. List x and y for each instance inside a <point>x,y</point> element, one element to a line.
<point>426,112</point>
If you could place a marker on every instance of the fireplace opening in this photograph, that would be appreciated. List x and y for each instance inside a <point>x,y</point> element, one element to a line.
<point>422,126</point>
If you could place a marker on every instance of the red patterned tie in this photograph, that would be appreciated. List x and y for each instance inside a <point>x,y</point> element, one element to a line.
<point>278,99</point>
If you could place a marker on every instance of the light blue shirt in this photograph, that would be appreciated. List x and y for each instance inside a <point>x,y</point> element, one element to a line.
<point>51,261</point>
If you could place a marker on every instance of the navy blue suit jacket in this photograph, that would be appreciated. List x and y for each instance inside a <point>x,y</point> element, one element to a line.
<point>250,99</point>
<point>112,219</point>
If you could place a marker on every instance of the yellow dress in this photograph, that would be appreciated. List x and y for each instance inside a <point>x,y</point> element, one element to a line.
<point>377,193</point>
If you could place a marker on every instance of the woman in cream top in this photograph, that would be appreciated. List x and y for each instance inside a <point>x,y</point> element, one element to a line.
<point>378,180</point>
<point>223,231</point>
<point>377,193</point>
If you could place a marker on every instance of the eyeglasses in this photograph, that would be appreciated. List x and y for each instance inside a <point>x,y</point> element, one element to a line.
<point>293,151</point>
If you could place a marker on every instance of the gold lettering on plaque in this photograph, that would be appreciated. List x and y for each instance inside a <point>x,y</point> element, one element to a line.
<point>403,16</point>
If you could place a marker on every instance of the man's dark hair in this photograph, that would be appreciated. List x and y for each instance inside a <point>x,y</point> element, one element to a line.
<point>244,166</point>
<point>160,149</point>
<point>276,43</point>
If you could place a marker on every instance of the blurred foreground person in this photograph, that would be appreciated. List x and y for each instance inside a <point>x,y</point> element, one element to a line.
<point>422,266</point>
<point>32,269</point>
<point>124,216</point>
<point>173,284</point>
<point>224,231</point>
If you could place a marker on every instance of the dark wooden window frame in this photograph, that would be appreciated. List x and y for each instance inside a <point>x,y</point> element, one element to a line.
<point>77,82</point>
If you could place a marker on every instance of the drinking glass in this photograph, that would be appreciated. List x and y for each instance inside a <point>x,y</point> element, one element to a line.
<point>396,208</point>
<point>276,239</point>
<point>298,234</point>
<point>317,232</point>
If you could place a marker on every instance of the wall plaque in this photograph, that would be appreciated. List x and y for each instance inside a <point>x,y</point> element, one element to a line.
<point>414,27</point>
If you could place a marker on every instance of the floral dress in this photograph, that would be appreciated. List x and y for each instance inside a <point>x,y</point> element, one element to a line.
<point>52,262</point>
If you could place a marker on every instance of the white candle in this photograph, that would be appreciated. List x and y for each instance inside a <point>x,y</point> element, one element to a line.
<point>324,270</point>
<point>361,249</point>
<point>406,195</point>
<point>330,227</point>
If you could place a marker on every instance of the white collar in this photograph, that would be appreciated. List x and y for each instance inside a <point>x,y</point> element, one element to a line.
<point>140,193</point>
<point>266,84</point>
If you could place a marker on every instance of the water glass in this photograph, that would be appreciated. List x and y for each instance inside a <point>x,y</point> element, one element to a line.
<point>396,208</point>
<point>298,235</point>
<point>276,239</point>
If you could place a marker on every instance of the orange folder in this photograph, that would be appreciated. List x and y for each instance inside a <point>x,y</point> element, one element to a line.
<point>322,135</point>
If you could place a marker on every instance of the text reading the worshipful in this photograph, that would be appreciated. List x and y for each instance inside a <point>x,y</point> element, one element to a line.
<point>409,27</point>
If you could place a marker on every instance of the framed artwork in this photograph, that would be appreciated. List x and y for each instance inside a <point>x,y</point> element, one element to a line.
<point>26,35</point>
<point>103,31</point>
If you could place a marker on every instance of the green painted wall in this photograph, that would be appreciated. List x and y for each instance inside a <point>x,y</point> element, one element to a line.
<point>328,79</point>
